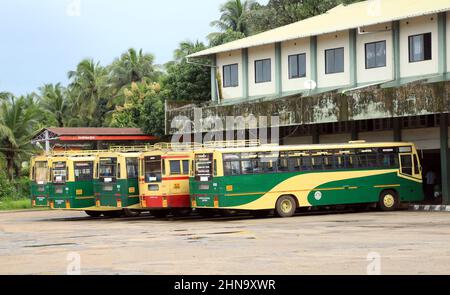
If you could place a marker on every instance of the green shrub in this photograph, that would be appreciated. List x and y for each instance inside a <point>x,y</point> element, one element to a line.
<point>7,189</point>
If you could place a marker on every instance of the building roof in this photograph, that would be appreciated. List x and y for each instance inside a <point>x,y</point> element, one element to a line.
<point>95,131</point>
<point>340,18</point>
<point>93,134</point>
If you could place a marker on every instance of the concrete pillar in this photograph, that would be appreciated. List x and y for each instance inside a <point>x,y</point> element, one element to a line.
<point>442,39</point>
<point>214,92</point>
<point>315,134</point>
<point>445,160</point>
<point>353,58</point>
<point>278,70</point>
<point>396,45</point>
<point>354,130</point>
<point>245,73</point>
<point>397,129</point>
<point>313,58</point>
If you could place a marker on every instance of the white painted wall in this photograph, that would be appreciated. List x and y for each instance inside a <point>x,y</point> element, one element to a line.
<point>298,46</point>
<point>331,41</point>
<point>424,138</point>
<point>228,58</point>
<point>298,140</point>
<point>414,26</point>
<point>448,41</point>
<point>377,136</point>
<point>335,138</point>
<point>258,53</point>
<point>382,32</point>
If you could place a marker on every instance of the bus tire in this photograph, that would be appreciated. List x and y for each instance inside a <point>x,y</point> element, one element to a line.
<point>131,213</point>
<point>286,206</point>
<point>93,213</point>
<point>389,201</point>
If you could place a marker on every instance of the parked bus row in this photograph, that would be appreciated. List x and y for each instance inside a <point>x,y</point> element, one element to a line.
<point>220,178</point>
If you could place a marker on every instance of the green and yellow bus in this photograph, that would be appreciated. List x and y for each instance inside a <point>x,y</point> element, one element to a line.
<point>285,178</point>
<point>116,186</point>
<point>40,181</point>
<point>72,177</point>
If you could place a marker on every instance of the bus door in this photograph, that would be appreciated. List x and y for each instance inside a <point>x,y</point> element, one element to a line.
<point>409,163</point>
<point>131,195</point>
<point>60,174</point>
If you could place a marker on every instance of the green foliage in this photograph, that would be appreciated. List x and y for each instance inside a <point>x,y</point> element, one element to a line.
<point>278,13</point>
<point>15,204</point>
<point>7,190</point>
<point>19,118</point>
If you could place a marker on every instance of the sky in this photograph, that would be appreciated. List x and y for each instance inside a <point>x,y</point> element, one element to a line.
<point>41,40</point>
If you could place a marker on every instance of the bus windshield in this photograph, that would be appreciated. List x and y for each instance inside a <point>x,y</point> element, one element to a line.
<point>83,171</point>
<point>153,169</point>
<point>59,172</point>
<point>203,167</point>
<point>108,168</point>
<point>41,172</point>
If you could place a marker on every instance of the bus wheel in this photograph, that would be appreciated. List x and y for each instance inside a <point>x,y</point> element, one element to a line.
<point>160,213</point>
<point>261,213</point>
<point>388,201</point>
<point>286,206</point>
<point>113,214</point>
<point>93,213</point>
<point>131,213</point>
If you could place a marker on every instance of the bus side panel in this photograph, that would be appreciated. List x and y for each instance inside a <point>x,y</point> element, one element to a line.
<point>364,190</point>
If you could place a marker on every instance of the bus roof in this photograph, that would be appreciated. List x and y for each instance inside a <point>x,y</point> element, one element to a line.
<point>263,148</point>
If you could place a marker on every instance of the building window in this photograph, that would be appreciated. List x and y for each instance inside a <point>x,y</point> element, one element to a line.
<point>230,76</point>
<point>376,55</point>
<point>263,71</point>
<point>297,66</point>
<point>420,47</point>
<point>334,60</point>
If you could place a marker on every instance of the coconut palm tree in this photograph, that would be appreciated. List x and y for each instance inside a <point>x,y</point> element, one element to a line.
<point>54,101</point>
<point>90,92</point>
<point>187,47</point>
<point>233,16</point>
<point>133,66</point>
<point>19,120</point>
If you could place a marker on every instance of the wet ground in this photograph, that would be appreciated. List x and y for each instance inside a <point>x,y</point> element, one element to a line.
<point>52,242</point>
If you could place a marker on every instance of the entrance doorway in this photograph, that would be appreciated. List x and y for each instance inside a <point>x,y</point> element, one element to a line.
<point>431,164</point>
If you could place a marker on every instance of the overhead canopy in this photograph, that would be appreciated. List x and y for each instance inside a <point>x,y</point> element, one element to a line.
<point>361,14</point>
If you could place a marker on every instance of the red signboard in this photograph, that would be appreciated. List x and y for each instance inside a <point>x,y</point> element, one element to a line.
<point>107,138</point>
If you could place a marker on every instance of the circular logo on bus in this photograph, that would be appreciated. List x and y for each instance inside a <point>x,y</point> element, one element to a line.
<point>318,196</point>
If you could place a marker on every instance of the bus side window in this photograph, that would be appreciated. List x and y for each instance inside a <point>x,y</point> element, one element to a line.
<point>185,167</point>
<point>416,165</point>
<point>406,164</point>
<point>118,170</point>
<point>175,167</point>
<point>215,167</point>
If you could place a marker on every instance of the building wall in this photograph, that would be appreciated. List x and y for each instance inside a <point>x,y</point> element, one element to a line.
<point>424,138</point>
<point>335,138</point>
<point>377,136</point>
<point>448,41</point>
<point>288,48</point>
<point>331,41</point>
<point>414,26</point>
<point>228,58</point>
<point>258,53</point>
<point>382,32</point>
<point>298,140</point>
